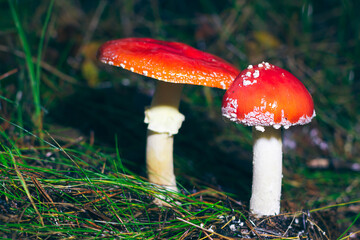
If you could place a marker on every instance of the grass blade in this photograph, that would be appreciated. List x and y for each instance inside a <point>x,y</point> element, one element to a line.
<point>41,44</point>
<point>23,183</point>
<point>30,66</point>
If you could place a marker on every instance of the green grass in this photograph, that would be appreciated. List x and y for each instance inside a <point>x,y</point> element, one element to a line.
<point>83,165</point>
<point>75,201</point>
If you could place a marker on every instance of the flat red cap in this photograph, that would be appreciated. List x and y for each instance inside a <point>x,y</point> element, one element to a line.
<point>266,95</point>
<point>168,61</point>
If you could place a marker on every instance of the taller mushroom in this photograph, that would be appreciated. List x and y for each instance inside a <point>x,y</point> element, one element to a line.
<point>267,97</point>
<point>174,64</point>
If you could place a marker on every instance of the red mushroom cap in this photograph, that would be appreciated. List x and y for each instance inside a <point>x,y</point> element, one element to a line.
<point>168,61</point>
<point>266,95</point>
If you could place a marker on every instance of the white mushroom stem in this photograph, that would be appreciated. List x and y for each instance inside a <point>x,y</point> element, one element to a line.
<point>267,172</point>
<point>164,121</point>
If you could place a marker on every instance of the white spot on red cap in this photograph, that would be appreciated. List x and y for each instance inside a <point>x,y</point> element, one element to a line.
<point>267,65</point>
<point>248,82</point>
<point>230,109</point>
<point>223,85</point>
<point>260,128</point>
<point>122,65</point>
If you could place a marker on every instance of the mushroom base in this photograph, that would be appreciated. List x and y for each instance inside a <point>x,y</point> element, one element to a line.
<point>267,172</point>
<point>159,160</point>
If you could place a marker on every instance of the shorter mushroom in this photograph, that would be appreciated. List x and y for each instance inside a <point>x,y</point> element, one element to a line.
<point>174,64</point>
<point>267,97</point>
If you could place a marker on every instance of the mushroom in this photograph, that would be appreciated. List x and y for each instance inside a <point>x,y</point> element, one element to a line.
<point>174,64</point>
<point>267,97</point>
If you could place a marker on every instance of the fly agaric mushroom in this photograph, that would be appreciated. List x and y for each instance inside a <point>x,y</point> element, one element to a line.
<point>267,97</point>
<point>174,64</point>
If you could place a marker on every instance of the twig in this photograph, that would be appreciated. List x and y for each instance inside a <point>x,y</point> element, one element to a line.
<point>208,236</point>
<point>93,24</point>
<point>204,229</point>
<point>185,234</point>
<point>284,234</point>
<point>23,183</point>
<point>161,227</point>
<point>9,73</point>
<point>23,212</point>
<point>350,235</point>
<point>107,196</point>
<point>252,228</point>
<point>42,191</point>
<point>43,64</point>
<point>119,218</point>
<point>45,195</point>
<point>232,219</point>
<point>319,229</point>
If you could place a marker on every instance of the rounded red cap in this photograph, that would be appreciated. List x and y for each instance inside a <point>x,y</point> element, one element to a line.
<point>168,61</point>
<point>266,95</point>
